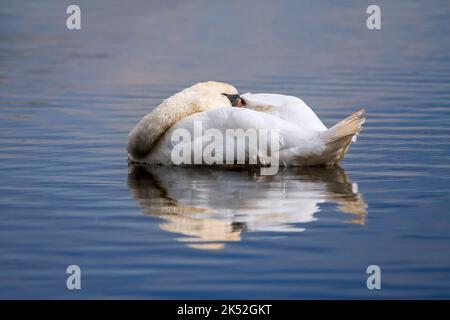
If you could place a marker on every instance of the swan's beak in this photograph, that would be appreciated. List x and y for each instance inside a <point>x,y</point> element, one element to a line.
<point>235,99</point>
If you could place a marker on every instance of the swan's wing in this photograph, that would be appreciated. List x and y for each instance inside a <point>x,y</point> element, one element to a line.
<point>292,139</point>
<point>273,99</point>
<point>245,119</point>
<point>289,108</point>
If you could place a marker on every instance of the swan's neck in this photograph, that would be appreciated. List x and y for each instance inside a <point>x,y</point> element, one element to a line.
<point>147,132</point>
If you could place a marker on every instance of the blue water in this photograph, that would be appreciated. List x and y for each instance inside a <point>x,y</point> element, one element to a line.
<point>67,195</point>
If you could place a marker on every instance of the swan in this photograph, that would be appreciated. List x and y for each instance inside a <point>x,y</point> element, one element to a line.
<point>303,140</point>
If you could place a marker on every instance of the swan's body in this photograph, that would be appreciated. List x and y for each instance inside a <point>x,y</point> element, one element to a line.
<point>304,139</point>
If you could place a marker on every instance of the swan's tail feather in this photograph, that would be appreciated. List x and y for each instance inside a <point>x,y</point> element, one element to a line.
<point>338,138</point>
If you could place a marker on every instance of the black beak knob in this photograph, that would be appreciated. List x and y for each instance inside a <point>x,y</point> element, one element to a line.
<point>235,99</point>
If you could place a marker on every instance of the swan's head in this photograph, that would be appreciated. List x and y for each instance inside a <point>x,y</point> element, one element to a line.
<point>200,97</point>
<point>212,95</point>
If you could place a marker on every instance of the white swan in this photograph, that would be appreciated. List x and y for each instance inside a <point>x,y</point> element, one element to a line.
<point>304,138</point>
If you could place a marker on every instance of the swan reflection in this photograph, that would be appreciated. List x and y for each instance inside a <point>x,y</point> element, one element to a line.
<point>211,206</point>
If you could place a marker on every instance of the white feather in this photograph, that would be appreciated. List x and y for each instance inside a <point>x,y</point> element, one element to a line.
<point>304,139</point>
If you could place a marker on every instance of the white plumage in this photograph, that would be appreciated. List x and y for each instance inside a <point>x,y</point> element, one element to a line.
<point>304,139</point>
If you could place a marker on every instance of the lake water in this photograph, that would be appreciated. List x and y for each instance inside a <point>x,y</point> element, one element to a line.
<point>67,195</point>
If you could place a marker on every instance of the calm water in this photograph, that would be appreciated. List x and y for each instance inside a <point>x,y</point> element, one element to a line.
<point>67,196</point>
